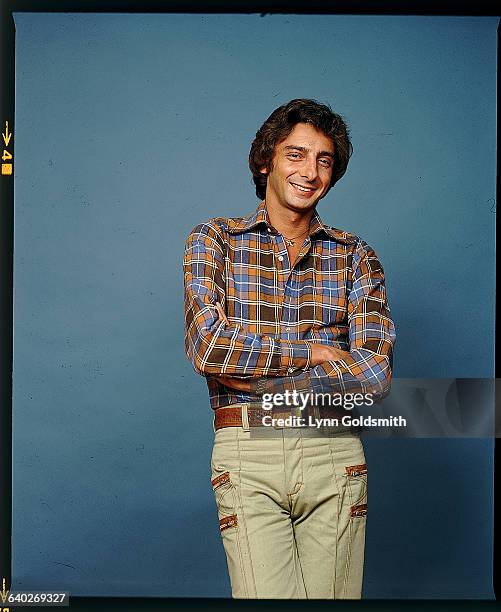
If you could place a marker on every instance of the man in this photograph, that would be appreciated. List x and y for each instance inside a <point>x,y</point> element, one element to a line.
<point>277,301</point>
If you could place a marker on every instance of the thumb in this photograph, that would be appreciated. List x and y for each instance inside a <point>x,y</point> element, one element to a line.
<point>221,313</point>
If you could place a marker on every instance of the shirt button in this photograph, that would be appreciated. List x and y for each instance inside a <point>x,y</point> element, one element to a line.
<point>287,329</point>
<point>280,258</point>
<point>290,370</point>
<point>269,229</point>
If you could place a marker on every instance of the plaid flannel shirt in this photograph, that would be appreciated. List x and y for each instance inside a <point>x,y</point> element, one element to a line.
<point>335,295</point>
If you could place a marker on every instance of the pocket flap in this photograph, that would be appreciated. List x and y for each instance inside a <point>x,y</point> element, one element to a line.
<point>222,479</point>
<point>357,470</point>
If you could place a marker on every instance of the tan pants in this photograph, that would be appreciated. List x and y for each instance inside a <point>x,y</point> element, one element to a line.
<point>292,512</point>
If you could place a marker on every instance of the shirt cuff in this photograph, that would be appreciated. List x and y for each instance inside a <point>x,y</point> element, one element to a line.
<point>295,355</point>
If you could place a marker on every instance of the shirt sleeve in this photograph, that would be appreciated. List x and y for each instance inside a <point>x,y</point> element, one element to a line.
<point>368,369</point>
<point>212,346</point>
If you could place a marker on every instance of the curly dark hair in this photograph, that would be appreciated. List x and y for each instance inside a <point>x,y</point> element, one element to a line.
<point>280,124</point>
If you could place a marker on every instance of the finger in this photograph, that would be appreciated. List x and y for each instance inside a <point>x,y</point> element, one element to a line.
<point>218,308</point>
<point>221,312</point>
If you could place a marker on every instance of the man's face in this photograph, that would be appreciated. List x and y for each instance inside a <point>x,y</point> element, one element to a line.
<point>301,169</point>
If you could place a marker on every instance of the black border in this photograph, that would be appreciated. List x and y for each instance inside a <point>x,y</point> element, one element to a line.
<point>7,105</point>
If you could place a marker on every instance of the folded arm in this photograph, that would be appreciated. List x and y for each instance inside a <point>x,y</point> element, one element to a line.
<point>367,367</point>
<point>214,347</point>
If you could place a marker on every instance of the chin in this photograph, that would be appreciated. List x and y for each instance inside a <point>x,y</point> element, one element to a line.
<point>302,204</point>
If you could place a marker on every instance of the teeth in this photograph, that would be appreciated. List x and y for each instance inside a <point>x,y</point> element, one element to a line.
<point>302,188</point>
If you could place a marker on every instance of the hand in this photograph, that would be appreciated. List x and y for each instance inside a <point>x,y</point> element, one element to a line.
<point>319,354</point>
<point>323,352</point>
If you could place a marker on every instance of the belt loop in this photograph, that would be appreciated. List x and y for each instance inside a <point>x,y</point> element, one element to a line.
<point>214,422</point>
<point>245,417</point>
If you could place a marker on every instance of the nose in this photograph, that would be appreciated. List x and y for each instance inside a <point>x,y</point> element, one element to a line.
<point>309,169</point>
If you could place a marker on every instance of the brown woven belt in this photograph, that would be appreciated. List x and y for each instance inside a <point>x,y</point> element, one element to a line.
<point>231,416</point>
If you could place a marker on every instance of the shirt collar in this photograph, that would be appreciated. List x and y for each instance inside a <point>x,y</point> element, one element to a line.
<point>260,215</point>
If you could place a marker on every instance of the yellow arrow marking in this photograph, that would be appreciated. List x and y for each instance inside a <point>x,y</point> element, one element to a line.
<point>4,593</point>
<point>7,135</point>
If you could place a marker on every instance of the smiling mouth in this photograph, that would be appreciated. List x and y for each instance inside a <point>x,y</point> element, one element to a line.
<point>303,189</point>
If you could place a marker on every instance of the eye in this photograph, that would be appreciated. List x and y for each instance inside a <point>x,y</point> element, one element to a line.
<point>326,162</point>
<point>294,155</point>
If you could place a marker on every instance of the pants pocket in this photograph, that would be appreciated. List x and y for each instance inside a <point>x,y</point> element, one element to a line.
<point>357,490</point>
<point>224,493</point>
<point>351,546</point>
<point>356,485</point>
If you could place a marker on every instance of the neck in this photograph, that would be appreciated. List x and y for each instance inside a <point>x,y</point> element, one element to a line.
<point>289,222</point>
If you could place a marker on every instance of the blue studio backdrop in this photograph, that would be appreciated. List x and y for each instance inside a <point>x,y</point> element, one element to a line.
<point>132,128</point>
